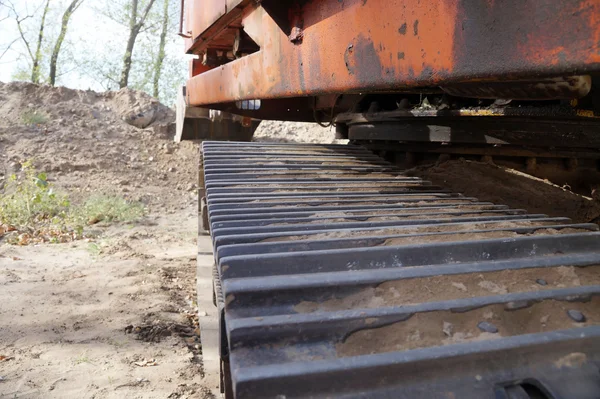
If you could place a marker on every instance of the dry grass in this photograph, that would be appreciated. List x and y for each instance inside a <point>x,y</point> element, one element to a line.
<point>32,117</point>
<point>32,211</point>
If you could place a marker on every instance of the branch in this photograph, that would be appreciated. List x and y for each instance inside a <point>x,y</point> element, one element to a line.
<point>150,26</point>
<point>80,2</point>
<point>97,71</point>
<point>8,47</point>
<point>145,15</point>
<point>67,72</point>
<point>24,39</point>
<point>21,33</point>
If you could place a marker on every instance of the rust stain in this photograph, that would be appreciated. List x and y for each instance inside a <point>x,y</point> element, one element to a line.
<point>402,29</point>
<point>594,23</point>
<point>435,36</point>
<point>559,40</point>
<point>361,46</point>
<point>363,59</point>
<point>348,56</point>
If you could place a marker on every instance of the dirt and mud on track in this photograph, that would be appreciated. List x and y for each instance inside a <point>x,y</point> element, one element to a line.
<point>504,186</point>
<point>426,329</point>
<point>115,316</point>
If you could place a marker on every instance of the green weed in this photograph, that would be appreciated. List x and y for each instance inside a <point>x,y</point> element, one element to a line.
<point>110,209</point>
<point>31,117</point>
<point>94,249</point>
<point>31,200</point>
<point>33,211</point>
<point>82,358</point>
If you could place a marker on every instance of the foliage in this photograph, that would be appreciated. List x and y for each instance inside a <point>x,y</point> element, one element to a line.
<point>31,200</point>
<point>32,117</point>
<point>22,72</point>
<point>30,207</point>
<point>105,66</point>
<point>110,209</point>
<point>32,211</point>
<point>91,56</point>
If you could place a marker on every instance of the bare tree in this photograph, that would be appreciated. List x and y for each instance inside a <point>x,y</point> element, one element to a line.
<point>35,70</point>
<point>61,37</point>
<point>161,49</point>
<point>35,57</point>
<point>8,46</point>
<point>136,22</point>
<point>4,17</point>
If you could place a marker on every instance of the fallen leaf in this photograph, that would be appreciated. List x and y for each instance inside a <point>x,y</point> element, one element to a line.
<point>6,358</point>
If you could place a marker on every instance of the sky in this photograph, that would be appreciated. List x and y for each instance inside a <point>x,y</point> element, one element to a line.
<point>92,37</point>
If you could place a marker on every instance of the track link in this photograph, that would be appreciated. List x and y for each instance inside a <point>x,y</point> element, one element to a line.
<point>342,277</point>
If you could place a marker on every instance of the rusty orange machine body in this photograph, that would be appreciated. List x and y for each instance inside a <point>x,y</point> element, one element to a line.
<point>273,50</point>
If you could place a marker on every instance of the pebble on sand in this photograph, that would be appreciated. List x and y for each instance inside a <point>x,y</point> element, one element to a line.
<point>576,315</point>
<point>488,327</point>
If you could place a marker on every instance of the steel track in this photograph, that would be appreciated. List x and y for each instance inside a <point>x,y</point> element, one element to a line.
<point>325,254</point>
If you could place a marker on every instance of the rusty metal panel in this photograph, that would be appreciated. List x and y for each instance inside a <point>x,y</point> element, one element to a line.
<point>206,13</point>
<point>357,45</point>
<point>187,15</point>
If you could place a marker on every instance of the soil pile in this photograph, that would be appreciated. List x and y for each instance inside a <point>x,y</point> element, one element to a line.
<point>504,186</point>
<point>295,132</point>
<point>86,143</point>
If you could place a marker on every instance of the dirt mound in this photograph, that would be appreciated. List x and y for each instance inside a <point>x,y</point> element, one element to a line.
<point>134,107</point>
<point>295,132</point>
<point>504,186</point>
<point>85,143</point>
<point>139,109</point>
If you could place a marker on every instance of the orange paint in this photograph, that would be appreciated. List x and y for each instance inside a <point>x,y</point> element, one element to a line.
<point>379,45</point>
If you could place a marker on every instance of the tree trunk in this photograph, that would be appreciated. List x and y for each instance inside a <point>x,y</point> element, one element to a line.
<point>35,70</point>
<point>161,49</point>
<point>127,59</point>
<point>135,25</point>
<point>61,37</point>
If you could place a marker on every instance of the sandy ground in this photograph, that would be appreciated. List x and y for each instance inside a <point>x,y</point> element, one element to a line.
<point>65,309</point>
<point>115,316</point>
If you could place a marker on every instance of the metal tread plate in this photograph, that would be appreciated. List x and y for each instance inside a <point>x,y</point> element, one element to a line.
<point>344,278</point>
